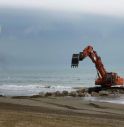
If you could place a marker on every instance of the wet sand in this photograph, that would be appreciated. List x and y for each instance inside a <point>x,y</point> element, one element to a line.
<point>59,112</point>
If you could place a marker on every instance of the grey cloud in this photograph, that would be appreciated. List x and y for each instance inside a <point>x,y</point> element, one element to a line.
<point>39,38</point>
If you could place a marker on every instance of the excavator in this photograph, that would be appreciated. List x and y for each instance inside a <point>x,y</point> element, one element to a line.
<point>105,79</point>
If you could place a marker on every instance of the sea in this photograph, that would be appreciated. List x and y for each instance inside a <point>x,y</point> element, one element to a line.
<point>32,82</point>
<point>28,82</point>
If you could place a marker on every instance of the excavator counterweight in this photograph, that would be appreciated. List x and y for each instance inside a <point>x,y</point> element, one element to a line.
<point>106,79</point>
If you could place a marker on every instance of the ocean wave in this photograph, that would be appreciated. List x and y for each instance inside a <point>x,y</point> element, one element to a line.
<point>31,89</point>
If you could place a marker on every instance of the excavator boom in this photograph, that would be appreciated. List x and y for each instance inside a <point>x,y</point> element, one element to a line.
<point>104,78</point>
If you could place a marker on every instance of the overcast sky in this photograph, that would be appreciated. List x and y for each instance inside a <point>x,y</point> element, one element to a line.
<point>105,7</point>
<point>42,33</point>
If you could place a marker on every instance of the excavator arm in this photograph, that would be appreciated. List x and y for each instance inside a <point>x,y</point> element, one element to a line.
<point>104,78</point>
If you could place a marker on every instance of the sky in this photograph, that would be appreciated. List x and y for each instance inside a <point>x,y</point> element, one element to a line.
<point>106,7</point>
<point>36,34</point>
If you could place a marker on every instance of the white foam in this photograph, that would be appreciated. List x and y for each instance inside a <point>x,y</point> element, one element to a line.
<point>31,89</point>
<point>116,99</point>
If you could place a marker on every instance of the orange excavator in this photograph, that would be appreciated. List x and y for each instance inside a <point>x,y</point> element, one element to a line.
<point>105,79</point>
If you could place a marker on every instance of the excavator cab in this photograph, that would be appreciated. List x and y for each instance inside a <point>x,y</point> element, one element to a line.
<point>75,60</point>
<point>110,77</point>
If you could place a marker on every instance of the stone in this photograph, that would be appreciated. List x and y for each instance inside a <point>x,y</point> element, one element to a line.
<point>80,94</point>
<point>48,94</point>
<point>103,93</point>
<point>94,94</point>
<point>73,94</point>
<point>65,93</point>
<point>42,94</point>
<point>58,93</point>
<point>86,94</point>
<point>81,90</point>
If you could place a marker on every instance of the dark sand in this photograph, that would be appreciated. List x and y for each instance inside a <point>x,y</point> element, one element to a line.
<point>59,112</point>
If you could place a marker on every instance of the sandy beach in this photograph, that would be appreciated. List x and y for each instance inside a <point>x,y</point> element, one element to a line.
<point>59,112</point>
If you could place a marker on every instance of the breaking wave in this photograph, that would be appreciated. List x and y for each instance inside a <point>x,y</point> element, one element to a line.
<point>32,89</point>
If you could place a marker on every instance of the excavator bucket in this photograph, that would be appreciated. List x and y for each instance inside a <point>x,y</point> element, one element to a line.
<point>75,60</point>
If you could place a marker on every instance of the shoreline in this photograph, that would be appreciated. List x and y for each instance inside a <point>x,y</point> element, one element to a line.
<point>114,95</point>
